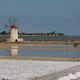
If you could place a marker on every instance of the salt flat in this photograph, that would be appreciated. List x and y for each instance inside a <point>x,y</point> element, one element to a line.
<point>28,69</point>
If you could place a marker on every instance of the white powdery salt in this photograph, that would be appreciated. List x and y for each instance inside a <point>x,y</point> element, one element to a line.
<point>25,70</point>
<point>71,76</point>
<point>64,78</point>
<point>77,74</point>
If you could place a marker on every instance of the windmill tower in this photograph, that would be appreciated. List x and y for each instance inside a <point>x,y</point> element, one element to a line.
<point>13,31</point>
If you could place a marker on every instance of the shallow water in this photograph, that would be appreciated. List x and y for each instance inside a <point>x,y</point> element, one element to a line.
<point>43,51</point>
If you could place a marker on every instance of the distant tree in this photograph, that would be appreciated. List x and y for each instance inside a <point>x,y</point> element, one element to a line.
<point>53,32</point>
<point>3,32</point>
<point>60,34</point>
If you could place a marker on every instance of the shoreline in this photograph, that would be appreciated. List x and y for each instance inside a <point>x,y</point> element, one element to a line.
<point>38,58</point>
<point>40,43</point>
<point>33,44</point>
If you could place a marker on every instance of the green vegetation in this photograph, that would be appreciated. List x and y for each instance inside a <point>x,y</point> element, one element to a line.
<point>53,33</point>
<point>4,33</point>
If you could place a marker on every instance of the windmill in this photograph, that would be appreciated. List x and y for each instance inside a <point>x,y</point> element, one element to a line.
<point>13,30</point>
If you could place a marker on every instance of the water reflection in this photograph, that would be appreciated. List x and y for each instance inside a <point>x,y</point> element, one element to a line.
<point>42,51</point>
<point>14,51</point>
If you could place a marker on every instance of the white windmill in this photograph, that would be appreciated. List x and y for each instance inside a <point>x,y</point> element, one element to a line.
<point>13,31</point>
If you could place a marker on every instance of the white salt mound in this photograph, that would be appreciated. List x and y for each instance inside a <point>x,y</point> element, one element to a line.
<point>71,76</point>
<point>77,74</point>
<point>27,70</point>
<point>64,78</point>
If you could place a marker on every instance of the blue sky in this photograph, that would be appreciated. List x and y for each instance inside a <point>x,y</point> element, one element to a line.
<point>42,15</point>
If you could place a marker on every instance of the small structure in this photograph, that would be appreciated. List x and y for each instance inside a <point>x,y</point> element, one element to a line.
<point>76,43</point>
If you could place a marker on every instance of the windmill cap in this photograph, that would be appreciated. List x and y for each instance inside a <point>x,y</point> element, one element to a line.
<point>13,26</point>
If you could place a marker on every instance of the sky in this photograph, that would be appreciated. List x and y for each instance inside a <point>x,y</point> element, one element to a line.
<point>61,16</point>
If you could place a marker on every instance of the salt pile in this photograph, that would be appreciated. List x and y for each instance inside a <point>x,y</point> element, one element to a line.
<point>77,74</point>
<point>64,78</point>
<point>27,70</point>
<point>70,76</point>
